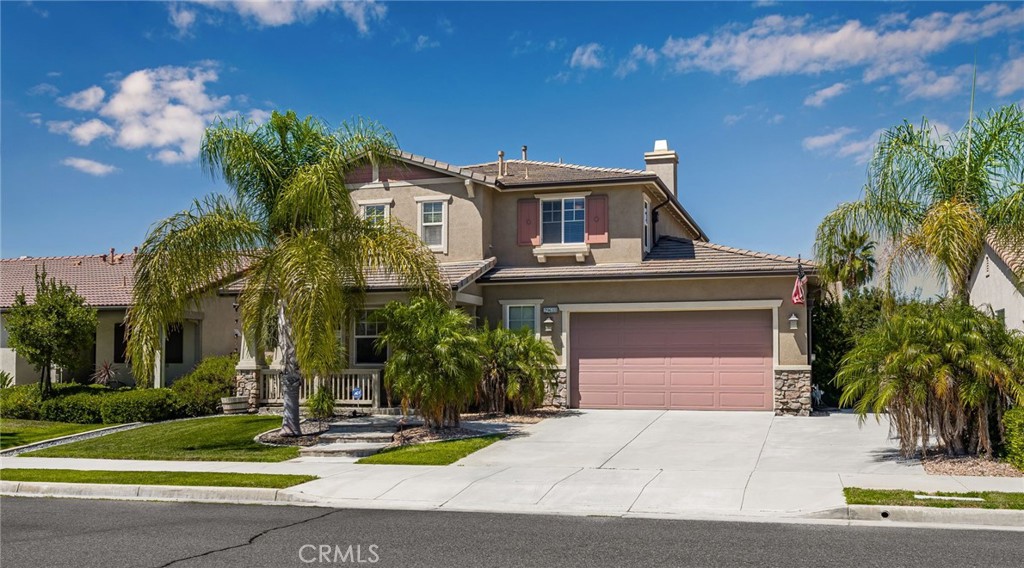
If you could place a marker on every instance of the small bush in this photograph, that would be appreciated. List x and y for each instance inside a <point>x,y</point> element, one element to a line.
<point>200,391</point>
<point>147,405</point>
<point>1013,420</point>
<point>518,370</point>
<point>81,408</point>
<point>320,406</point>
<point>6,380</point>
<point>20,402</point>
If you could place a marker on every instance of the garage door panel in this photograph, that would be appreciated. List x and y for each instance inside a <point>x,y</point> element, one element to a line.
<point>677,360</point>
<point>693,379</point>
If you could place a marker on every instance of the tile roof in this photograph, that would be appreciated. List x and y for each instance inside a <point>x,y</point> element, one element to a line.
<point>530,172</point>
<point>458,274</point>
<point>671,257</point>
<point>94,277</point>
<point>1013,256</point>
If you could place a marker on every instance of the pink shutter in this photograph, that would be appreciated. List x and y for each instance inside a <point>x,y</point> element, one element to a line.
<point>528,221</point>
<point>597,219</point>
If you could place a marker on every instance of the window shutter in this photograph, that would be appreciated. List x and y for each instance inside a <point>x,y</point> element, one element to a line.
<point>528,221</point>
<point>597,219</point>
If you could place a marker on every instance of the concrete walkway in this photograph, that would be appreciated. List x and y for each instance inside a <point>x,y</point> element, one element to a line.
<point>632,462</point>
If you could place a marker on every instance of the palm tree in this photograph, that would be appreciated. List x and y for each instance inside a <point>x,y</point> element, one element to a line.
<point>518,368</point>
<point>434,360</point>
<point>851,262</point>
<point>941,371</point>
<point>935,199</point>
<point>290,224</point>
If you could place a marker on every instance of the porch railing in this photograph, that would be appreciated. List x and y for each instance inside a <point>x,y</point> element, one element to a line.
<point>351,387</point>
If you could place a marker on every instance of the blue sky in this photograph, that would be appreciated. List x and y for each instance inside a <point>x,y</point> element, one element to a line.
<point>773,107</point>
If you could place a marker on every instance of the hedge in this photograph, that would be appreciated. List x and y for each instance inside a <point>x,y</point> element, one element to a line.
<point>81,408</point>
<point>146,405</point>
<point>200,391</point>
<point>20,402</point>
<point>1013,420</point>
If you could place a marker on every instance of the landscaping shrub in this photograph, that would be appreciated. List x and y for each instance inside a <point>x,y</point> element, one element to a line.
<point>320,406</point>
<point>835,326</point>
<point>147,405</point>
<point>6,380</point>
<point>81,408</point>
<point>1013,421</point>
<point>200,391</point>
<point>20,402</point>
<point>518,369</point>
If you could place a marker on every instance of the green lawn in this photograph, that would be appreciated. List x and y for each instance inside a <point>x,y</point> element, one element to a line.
<point>20,432</point>
<point>433,453</point>
<point>206,479</point>
<point>992,499</point>
<point>220,438</point>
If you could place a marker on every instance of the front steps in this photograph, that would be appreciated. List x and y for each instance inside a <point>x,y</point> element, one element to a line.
<point>357,437</point>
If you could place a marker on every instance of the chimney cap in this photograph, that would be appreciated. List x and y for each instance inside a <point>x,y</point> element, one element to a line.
<point>661,145</point>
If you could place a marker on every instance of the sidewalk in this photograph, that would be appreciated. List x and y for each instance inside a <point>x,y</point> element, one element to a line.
<point>568,490</point>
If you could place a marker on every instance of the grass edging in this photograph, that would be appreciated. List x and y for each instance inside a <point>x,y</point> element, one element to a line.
<point>163,478</point>
<point>905,498</point>
<point>69,438</point>
<point>441,452</point>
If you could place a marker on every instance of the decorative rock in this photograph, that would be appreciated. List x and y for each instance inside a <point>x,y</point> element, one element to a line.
<point>793,393</point>
<point>247,384</point>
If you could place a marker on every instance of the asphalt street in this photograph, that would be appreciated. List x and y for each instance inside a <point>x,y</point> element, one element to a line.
<point>81,533</point>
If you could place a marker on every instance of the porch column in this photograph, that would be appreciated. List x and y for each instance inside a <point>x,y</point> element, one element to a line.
<point>249,371</point>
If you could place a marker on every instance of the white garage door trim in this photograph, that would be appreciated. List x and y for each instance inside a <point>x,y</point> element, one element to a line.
<point>712,305</point>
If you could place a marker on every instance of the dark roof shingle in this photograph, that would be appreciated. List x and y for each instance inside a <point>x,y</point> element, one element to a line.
<point>671,257</point>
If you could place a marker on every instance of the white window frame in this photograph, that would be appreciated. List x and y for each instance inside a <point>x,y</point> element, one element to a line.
<point>535,304</point>
<point>443,247</point>
<point>563,198</point>
<point>648,237</point>
<point>386,204</point>
<point>353,337</point>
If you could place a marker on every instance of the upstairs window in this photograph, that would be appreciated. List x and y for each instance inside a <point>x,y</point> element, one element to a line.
<point>433,217</point>
<point>563,220</point>
<point>376,214</point>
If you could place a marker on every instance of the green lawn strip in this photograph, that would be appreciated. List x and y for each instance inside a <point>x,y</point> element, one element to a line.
<point>205,479</point>
<point>432,453</point>
<point>221,438</point>
<point>15,433</point>
<point>899,497</point>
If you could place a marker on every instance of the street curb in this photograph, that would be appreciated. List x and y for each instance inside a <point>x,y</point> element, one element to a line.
<point>932,515</point>
<point>61,440</point>
<point>253,495</point>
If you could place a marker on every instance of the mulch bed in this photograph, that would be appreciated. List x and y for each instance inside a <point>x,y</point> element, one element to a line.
<point>530,417</point>
<point>421,434</point>
<point>943,465</point>
<point>310,435</point>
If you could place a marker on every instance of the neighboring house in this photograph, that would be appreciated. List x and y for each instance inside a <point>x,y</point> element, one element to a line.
<point>995,283</point>
<point>606,264</point>
<point>105,282</point>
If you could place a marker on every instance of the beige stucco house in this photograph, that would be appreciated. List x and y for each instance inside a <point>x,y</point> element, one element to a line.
<point>643,310</point>
<point>995,283</point>
<point>105,282</point>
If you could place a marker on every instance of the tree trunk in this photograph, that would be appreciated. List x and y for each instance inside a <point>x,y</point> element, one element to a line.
<point>45,383</point>
<point>290,377</point>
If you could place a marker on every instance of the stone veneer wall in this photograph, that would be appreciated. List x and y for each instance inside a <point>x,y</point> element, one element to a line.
<point>247,384</point>
<point>558,395</point>
<point>793,393</point>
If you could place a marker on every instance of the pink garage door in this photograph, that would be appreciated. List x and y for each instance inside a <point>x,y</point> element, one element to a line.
<point>675,360</point>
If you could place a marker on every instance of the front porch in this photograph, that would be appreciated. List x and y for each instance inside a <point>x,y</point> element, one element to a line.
<point>353,389</point>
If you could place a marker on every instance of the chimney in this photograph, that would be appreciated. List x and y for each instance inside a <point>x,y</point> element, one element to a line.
<point>524,152</point>
<point>501,163</point>
<point>665,163</point>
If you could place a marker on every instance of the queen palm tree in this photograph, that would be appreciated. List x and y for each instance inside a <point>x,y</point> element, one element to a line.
<point>851,262</point>
<point>936,199</point>
<point>290,224</point>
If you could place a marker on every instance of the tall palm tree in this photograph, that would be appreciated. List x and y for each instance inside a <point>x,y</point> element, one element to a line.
<point>290,224</point>
<point>935,199</point>
<point>851,262</point>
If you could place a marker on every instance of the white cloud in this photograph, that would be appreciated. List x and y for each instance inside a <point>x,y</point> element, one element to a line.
<point>731,119</point>
<point>163,110</point>
<point>779,45</point>
<point>182,18</point>
<point>424,42</point>
<point>819,97</point>
<point>53,74</point>
<point>34,117</point>
<point>44,89</point>
<point>639,53</point>
<point>928,84</point>
<point>90,167</point>
<point>827,140</point>
<point>88,99</point>
<point>588,56</point>
<point>840,143</point>
<point>1010,78</point>
<point>445,25</point>
<point>363,12</point>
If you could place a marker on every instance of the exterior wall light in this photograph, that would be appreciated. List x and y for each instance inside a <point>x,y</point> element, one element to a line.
<point>794,322</point>
<point>549,325</point>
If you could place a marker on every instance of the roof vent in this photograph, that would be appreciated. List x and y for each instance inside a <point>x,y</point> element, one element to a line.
<point>524,152</point>
<point>501,163</point>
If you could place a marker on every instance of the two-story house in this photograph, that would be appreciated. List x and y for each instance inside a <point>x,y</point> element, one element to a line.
<point>606,264</point>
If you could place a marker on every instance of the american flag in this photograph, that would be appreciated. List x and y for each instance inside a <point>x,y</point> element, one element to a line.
<point>799,286</point>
